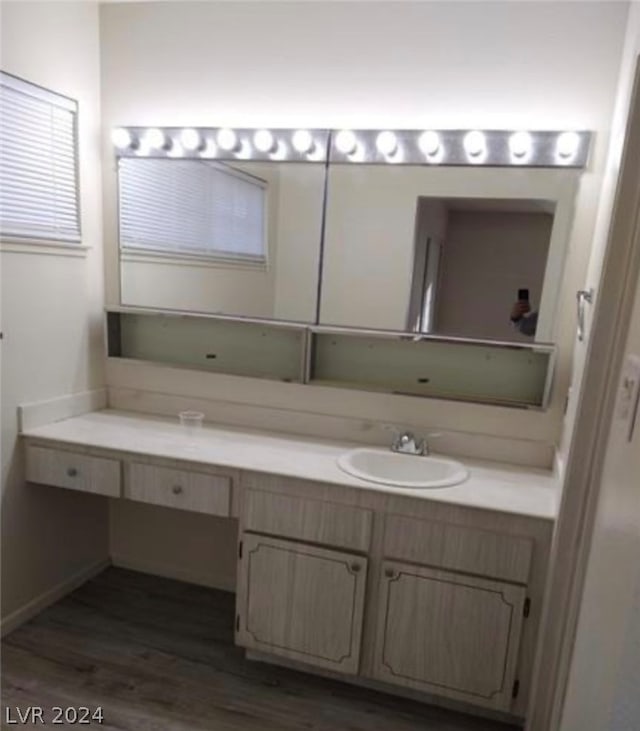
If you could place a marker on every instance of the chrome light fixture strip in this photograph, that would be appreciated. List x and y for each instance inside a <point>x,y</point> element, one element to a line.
<point>481,148</point>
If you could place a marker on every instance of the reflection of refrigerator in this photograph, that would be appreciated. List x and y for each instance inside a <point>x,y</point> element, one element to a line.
<point>422,306</point>
<point>430,288</point>
<point>430,232</point>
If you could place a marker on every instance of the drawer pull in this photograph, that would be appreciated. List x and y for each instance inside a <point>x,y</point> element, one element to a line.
<point>177,490</point>
<point>72,472</point>
<point>389,573</point>
<point>355,567</point>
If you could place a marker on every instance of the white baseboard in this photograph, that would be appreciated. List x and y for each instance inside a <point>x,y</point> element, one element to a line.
<point>40,413</point>
<point>37,605</point>
<point>172,571</point>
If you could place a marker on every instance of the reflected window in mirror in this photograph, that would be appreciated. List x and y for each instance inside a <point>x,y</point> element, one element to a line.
<point>192,207</point>
<point>236,238</point>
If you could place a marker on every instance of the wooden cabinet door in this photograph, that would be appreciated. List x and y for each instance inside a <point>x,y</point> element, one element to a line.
<point>448,634</point>
<point>301,602</point>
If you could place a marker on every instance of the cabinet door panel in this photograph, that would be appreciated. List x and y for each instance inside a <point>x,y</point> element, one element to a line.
<point>449,634</point>
<point>301,602</point>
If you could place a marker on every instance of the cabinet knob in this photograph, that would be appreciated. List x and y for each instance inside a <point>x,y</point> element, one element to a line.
<point>72,472</point>
<point>389,573</point>
<point>177,489</point>
<point>355,567</point>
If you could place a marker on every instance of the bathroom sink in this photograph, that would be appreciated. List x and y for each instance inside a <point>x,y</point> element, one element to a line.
<point>402,470</point>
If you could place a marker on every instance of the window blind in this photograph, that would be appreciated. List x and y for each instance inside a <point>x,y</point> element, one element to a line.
<point>191,207</point>
<point>38,163</point>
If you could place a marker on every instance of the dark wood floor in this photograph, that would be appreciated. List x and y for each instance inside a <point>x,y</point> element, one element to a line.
<point>157,654</point>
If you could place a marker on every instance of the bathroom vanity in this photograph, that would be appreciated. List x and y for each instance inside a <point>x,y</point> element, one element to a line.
<point>431,593</point>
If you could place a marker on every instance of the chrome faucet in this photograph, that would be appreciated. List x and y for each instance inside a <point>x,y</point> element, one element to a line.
<point>407,443</point>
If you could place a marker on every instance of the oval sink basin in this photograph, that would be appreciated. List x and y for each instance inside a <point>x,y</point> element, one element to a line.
<point>402,470</point>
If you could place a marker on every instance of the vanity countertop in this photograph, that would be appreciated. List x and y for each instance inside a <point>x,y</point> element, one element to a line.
<point>492,485</point>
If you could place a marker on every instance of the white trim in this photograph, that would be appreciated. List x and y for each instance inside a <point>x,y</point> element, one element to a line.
<point>40,413</point>
<point>158,256</point>
<point>44,600</point>
<point>35,246</point>
<point>175,571</point>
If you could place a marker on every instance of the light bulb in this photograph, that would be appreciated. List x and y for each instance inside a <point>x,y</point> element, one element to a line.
<point>429,143</point>
<point>303,141</point>
<point>346,142</point>
<point>474,143</point>
<point>121,138</point>
<point>227,139</point>
<point>190,139</point>
<point>263,140</point>
<point>567,144</point>
<point>154,139</point>
<point>520,144</point>
<point>386,143</point>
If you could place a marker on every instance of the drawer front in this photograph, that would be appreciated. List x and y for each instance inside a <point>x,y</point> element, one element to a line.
<point>458,548</point>
<point>314,521</point>
<point>74,471</point>
<point>196,491</point>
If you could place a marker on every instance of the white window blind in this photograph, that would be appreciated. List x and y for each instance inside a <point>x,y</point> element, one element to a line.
<point>38,163</point>
<point>191,207</point>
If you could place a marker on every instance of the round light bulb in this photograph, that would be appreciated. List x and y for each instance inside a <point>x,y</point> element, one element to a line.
<point>302,141</point>
<point>121,138</point>
<point>227,139</point>
<point>387,143</point>
<point>263,140</point>
<point>568,143</point>
<point>190,140</point>
<point>474,143</point>
<point>154,139</point>
<point>429,143</point>
<point>520,144</point>
<point>346,142</point>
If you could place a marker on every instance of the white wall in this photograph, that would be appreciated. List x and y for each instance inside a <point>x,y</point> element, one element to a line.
<point>611,170</point>
<point>605,671</point>
<point>380,64</point>
<point>51,314</point>
<point>603,684</point>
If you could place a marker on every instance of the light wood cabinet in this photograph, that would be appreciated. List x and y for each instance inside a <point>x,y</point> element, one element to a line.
<point>301,602</point>
<point>73,470</point>
<point>185,489</point>
<point>448,634</point>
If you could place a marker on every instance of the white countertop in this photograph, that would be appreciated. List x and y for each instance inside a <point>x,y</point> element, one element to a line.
<point>491,485</point>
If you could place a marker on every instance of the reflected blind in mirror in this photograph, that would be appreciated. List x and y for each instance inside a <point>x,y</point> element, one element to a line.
<point>189,207</point>
<point>38,163</point>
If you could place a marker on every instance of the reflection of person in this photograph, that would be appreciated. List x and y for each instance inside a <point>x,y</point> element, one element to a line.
<point>523,319</point>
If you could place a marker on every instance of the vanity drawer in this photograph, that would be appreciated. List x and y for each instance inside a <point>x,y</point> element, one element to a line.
<point>314,521</point>
<point>458,548</point>
<point>198,492</point>
<point>72,470</point>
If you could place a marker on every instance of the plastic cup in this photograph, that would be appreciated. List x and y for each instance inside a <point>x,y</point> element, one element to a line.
<point>191,420</point>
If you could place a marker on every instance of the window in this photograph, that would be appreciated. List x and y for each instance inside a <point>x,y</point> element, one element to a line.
<point>193,208</point>
<point>38,163</point>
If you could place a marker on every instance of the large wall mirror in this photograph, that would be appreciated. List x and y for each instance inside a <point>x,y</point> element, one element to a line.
<point>467,253</point>
<point>457,250</point>
<point>237,238</point>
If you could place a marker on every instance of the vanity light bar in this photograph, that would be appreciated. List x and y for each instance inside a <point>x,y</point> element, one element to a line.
<point>493,148</point>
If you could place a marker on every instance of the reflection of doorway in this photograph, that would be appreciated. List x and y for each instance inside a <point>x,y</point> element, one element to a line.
<point>471,257</point>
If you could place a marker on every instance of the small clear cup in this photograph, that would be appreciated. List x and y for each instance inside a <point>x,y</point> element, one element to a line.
<point>191,420</point>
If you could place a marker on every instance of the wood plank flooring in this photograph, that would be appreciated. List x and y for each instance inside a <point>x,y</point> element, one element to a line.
<point>157,654</point>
